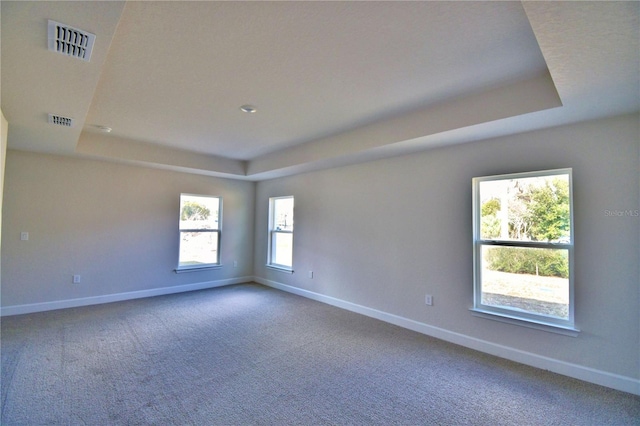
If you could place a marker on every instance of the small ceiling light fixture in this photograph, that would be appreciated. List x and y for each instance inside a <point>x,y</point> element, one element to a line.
<point>250,109</point>
<point>104,129</point>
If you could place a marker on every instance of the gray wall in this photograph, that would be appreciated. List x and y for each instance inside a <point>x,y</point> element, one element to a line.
<point>4,128</point>
<point>379,235</point>
<point>383,234</point>
<point>115,225</point>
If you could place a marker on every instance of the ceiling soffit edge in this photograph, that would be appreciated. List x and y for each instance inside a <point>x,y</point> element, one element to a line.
<point>117,148</point>
<point>535,94</point>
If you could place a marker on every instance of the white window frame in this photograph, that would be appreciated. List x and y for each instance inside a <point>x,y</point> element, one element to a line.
<point>218,231</point>
<point>514,316</point>
<point>273,230</point>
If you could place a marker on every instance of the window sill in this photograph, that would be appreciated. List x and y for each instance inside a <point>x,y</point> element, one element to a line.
<point>195,268</point>
<point>537,325</point>
<point>280,268</point>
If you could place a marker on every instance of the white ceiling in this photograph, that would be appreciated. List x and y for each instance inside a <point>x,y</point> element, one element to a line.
<point>334,83</point>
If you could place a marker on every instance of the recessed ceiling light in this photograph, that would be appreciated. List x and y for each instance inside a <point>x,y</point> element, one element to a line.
<point>248,108</point>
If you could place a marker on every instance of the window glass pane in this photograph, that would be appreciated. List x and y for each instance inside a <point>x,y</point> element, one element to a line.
<point>283,214</point>
<point>533,280</point>
<point>198,248</point>
<point>282,248</point>
<point>526,209</point>
<point>197,212</point>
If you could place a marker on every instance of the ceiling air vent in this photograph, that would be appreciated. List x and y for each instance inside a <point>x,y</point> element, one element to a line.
<point>70,41</point>
<point>60,121</point>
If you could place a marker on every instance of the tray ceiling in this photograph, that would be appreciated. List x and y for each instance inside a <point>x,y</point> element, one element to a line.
<point>333,83</point>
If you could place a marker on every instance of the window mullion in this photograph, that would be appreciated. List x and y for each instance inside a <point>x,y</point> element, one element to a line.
<point>524,244</point>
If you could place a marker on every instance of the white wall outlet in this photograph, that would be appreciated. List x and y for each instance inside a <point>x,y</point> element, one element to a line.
<point>428,300</point>
<point>24,236</point>
<point>310,275</point>
<point>235,263</point>
<point>76,279</point>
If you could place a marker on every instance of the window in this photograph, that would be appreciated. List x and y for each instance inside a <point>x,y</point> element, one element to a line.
<point>199,232</point>
<point>523,247</point>
<point>280,233</point>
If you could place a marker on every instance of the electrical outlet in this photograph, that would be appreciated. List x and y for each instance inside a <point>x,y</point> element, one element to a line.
<point>24,236</point>
<point>76,279</point>
<point>310,275</point>
<point>235,263</point>
<point>428,300</point>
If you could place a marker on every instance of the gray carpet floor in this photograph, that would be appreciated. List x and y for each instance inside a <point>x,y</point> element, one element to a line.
<point>251,355</point>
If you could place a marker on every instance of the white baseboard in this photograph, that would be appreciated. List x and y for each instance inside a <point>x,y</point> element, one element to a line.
<point>587,374</point>
<point>108,298</point>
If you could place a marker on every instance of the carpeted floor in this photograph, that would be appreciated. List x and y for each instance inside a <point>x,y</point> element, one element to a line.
<point>251,355</point>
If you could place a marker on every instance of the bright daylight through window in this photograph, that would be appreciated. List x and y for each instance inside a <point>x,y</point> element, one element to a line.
<point>523,247</point>
<point>280,233</point>
<point>199,231</point>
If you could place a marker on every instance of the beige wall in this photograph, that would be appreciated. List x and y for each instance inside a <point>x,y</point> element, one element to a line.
<point>383,234</point>
<point>115,225</point>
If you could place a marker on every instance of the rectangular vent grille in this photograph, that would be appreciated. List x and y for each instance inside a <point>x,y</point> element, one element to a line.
<point>60,121</point>
<point>70,41</point>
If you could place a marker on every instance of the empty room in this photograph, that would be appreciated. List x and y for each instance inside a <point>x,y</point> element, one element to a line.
<point>300,212</point>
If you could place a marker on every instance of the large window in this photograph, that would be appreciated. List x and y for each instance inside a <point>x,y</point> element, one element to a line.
<point>523,247</point>
<point>199,232</point>
<point>281,233</point>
